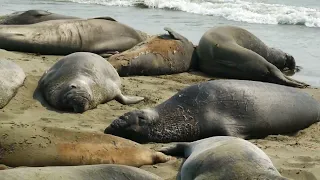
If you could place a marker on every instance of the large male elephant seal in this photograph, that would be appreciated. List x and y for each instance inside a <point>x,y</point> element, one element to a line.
<point>100,35</point>
<point>31,17</point>
<point>162,54</point>
<point>246,109</point>
<point>31,145</point>
<point>11,78</point>
<point>223,157</point>
<point>81,81</point>
<point>233,52</point>
<point>85,172</point>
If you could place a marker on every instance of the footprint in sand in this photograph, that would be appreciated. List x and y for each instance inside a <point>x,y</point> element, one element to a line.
<point>301,167</point>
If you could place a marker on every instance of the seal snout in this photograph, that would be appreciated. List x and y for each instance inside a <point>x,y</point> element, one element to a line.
<point>77,100</point>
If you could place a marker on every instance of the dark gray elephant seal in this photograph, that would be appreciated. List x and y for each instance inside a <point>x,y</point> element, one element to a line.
<point>233,52</point>
<point>163,54</point>
<point>31,17</point>
<point>246,109</point>
<point>100,35</point>
<point>81,81</point>
<point>221,158</point>
<point>11,78</point>
<point>85,172</point>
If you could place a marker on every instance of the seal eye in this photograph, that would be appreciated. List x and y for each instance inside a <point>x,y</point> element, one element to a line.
<point>73,86</point>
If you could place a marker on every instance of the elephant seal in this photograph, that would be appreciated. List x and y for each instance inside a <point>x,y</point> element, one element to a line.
<point>11,78</point>
<point>81,81</point>
<point>223,157</point>
<point>163,54</point>
<point>36,146</point>
<point>84,172</point>
<point>31,17</point>
<point>100,35</point>
<point>233,52</point>
<point>246,109</point>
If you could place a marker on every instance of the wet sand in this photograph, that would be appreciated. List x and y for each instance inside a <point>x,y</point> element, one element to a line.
<point>296,156</point>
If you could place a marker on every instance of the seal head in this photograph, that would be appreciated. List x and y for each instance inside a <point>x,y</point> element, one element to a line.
<point>134,125</point>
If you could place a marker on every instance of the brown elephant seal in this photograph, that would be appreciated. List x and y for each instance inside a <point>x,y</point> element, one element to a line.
<point>246,109</point>
<point>84,172</point>
<point>233,52</point>
<point>11,78</point>
<point>221,158</point>
<point>31,145</point>
<point>100,35</point>
<point>163,54</point>
<point>81,81</point>
<point>31,17</point>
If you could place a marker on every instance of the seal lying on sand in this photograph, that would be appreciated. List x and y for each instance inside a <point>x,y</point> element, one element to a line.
<point>246,109</point>
<point>62,37</point>
<point>223,157</point>
<point>11,78</point>
<point>31,17</point>
<point>233,52</point>
<point>30,145</point>
<point>81,81</point>
<point>158,55</point>
<point>85,172</point>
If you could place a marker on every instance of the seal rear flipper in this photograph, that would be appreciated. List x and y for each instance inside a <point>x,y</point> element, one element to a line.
<point>175,150</point>
<point>174,34</point>
<point>105,18</point>
<point>128,99</point>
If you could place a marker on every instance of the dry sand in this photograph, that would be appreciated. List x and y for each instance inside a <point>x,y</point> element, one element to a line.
<point>296,156</point>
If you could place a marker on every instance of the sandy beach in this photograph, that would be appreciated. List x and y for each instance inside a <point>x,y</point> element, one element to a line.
<point>296,156</point>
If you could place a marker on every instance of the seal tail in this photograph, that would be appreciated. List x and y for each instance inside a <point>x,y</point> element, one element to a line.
<point>175,150</point>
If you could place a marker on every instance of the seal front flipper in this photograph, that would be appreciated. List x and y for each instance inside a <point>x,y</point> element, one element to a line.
<point>280,78</point>
<point>175,150</point>
<point>105,18</point>
<point>128,99</point>
<point>174,34</point>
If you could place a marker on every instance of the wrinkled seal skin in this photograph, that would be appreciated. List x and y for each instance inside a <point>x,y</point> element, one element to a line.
<point>31,17</point>
<point>100,35</point>
<point>223,157</point>
<point>81,81</point>
<point>35,146</point>
<point>246,109</point>
<point>85,172</point>
<point>11,78</point>
<point>163,54</point>
<point>233,52</point>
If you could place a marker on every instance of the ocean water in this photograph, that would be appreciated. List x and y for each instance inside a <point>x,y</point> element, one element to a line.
<point>291,25</point>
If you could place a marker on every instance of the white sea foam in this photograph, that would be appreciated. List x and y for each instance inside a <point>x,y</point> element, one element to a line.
<point>236,10</point>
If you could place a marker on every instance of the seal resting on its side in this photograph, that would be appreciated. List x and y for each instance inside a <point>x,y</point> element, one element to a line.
<point>158,55</point>
<point>222,158</point>
<point>246,109</point>
<point>233,52</point>
<point>84,172</point>
<point>81,81</point>
<point>31,145</point>
<point>31,17</point>
<point>11,78</point>
<point>100,35</point>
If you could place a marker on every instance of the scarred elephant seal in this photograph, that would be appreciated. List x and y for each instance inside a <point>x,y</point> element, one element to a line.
<point>81,81</point>
<point>31,17</point>
<point>233,52</point>
<point>11,78</point>
<point>221,158</point>
<point>246,109</point>
<point>31,145</point>
<point>163,54</point>
<point>101,35</point>
<point>85,172</point>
